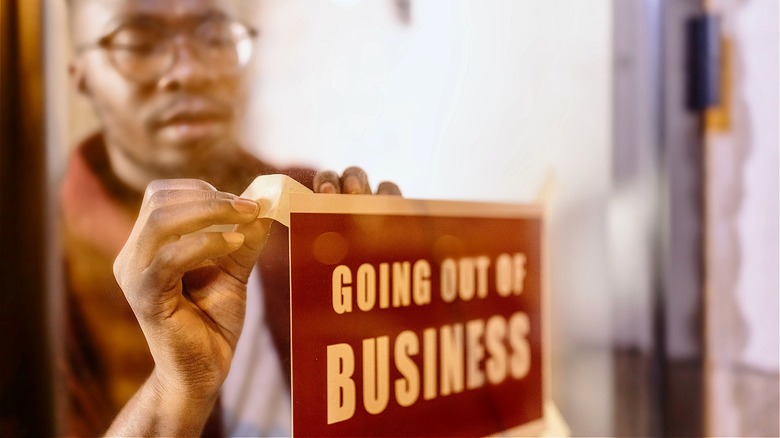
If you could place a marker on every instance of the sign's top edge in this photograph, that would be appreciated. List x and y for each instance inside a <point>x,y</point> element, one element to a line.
<point>395,205</point>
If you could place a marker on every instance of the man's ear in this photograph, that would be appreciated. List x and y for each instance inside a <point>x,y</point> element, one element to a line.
<point>78,76</point>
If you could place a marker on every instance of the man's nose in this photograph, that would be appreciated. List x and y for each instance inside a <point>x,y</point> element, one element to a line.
<point>187,69</point>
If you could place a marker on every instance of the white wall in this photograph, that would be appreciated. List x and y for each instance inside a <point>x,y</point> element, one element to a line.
<point>743,189</point>
<point>757,224</point>
<point>472,100</point>
<point>468,90</point>
<point>743,332</point>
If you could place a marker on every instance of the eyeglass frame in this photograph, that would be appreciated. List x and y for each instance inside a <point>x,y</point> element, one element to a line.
<point>105,41</point>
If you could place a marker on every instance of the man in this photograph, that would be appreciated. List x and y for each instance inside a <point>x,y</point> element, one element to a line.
<point>167,82</point>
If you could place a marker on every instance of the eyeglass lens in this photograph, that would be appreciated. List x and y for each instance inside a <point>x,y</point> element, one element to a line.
<point>144,51</point>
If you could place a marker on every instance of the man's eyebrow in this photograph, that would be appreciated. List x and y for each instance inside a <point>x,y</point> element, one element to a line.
<point>158,19</point>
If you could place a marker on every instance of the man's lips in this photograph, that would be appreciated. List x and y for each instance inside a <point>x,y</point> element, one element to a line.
<point>192,118</point>
<point>188,126</point>
<point>192,113</point>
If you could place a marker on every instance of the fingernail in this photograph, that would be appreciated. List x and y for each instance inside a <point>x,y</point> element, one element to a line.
<point>327,188</point>
<point>233,239</point>
<point>244,206</point>
<point>351,184</point>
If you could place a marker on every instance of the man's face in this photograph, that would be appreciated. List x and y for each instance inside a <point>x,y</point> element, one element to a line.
<point>170,124</point>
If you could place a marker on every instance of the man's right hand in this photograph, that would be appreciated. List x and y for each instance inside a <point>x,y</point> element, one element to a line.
<point>187,287</point>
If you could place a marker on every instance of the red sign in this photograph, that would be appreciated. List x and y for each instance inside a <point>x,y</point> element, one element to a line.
<point>414,317</point>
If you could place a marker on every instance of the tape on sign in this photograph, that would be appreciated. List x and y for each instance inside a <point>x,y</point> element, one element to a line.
<point>272,192</point>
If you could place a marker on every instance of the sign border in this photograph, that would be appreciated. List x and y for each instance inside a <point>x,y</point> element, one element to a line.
<point>396,205</point>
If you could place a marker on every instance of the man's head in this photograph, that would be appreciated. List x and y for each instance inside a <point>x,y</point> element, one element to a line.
<point>166,80</point>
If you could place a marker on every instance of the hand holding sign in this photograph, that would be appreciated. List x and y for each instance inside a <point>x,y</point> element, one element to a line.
<point>444,336</point>
<point>188,291</point>
<point>185,278</point>
<point>353,181</point>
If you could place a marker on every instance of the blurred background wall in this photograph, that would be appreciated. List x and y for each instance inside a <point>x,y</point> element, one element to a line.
<point>742,141</point>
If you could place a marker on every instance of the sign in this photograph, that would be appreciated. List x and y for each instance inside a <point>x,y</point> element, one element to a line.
<point>414,317</point>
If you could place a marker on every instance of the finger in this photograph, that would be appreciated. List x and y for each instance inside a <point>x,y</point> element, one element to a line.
<point>165,197</point>
<point>354,181</point>
<point>239,263</point>
<point>174,259</point>
<point>176,184</point>
<point>172,191</point>
<point>327,181</point>
<point>166,223</point>
<point>388,188</point>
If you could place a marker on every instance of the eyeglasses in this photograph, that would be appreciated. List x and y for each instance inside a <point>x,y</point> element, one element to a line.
<point>143,50</point>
